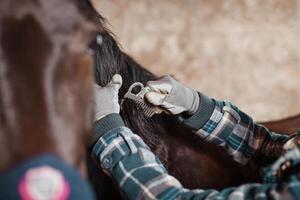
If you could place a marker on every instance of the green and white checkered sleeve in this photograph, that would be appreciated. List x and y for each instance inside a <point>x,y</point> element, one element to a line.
<point>140,174</point>
<point>234,130</point>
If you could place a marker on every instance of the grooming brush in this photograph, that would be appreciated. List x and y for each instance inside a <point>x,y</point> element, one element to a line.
<point>139,98</point>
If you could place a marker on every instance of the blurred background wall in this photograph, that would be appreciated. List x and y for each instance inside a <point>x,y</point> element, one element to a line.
<point>246,51</point>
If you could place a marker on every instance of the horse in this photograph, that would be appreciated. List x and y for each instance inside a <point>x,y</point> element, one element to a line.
<point>46,78</point>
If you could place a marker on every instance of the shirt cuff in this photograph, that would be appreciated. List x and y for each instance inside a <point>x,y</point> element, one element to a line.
<point>106,124</point>
<point>202,114</point>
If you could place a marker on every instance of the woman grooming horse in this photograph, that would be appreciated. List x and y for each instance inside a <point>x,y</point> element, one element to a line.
<point>162,133</point>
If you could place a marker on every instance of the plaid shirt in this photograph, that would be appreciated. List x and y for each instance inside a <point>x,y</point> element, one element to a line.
<point>141,175</point>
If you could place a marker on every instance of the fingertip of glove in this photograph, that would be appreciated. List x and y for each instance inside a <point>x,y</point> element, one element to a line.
<point>155,98</point>
<point>117,78</point>
<point>116,81</point>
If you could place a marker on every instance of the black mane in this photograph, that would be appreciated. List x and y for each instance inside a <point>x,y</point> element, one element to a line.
<point>109,60</point>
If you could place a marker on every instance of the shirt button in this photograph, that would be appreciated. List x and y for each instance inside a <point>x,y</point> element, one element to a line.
<point>106,162</point>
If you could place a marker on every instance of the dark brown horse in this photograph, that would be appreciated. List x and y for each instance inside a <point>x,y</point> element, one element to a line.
<point>45,80</point>
<point>196,163</point>
<point>45,90</point>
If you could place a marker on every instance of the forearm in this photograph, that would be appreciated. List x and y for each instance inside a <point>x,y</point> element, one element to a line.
<point>225,125</point>
<point>141,175</point>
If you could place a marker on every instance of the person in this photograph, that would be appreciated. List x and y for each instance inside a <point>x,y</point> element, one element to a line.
<point>139,173</point>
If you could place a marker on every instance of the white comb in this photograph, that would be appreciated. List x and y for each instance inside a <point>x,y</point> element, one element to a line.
<point>139,98</point>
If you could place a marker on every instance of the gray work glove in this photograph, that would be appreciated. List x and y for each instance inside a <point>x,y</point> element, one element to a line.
<point>173,96</point>
<point>106,98</point>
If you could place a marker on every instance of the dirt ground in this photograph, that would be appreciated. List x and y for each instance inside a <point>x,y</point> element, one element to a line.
<point>246,51</point>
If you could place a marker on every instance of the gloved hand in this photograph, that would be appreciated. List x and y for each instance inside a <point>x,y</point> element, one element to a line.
<point>172,96</point>
<point>106,98</point>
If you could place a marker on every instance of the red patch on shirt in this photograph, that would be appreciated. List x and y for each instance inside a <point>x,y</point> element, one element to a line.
<point>44,183</point>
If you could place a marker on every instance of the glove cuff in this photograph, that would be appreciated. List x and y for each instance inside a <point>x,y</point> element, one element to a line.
<point>203,113</point>
<point>104,125</point>
<point>195,103</point>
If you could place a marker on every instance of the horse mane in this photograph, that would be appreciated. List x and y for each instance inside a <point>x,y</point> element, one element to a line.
<point>109,60</point>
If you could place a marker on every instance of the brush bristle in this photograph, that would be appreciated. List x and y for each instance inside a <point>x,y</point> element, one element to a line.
<point>148,110</point>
